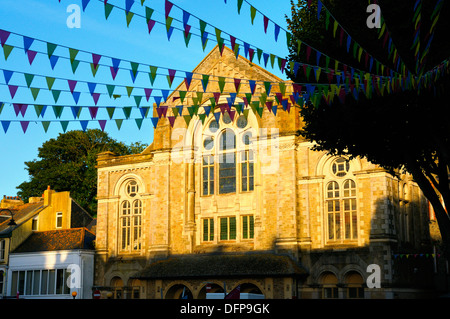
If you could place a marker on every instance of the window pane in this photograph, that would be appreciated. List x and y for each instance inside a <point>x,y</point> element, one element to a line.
<point>223,229</point>
<point>14,282</point>
<point>330,226</point>
<point>354,225</point>
<point>21,283</point>
<point>232,227</point>
<point>59,281</point>
<point>346,204</point>
<point>227,140</point>
<point>51,281</point>
<point>36,281</point>
<point>211,229</point>
<point>347,225</point>
<point>338,225</point>
<point>66,287</point>
<point>29,282</point>
<point>205,230</point>
<point>252,226</point>
<point>245,227</point>
<point>227,175</point>
<point>205,188</point>
<point>44,282</point>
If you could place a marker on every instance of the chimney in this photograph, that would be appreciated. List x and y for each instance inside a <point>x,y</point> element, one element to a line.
<point>48,196</point>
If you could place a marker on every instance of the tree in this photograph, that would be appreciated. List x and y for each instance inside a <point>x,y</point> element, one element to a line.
<point>407,130</point>
<point>67,163</point>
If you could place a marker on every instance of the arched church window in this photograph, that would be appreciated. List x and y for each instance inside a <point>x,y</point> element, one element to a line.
<point>342,219</point>
<point>227,159</point>
<point>227,162</point>
<point>130,218</point>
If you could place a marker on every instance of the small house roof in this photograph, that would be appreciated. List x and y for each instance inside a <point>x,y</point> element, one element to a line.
<point>61,239</point>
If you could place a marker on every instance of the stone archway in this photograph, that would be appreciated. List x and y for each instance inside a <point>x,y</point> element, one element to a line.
<point>117,287</point>
<point>178,291</point>
<point>250,288</point>
<point>214,288</point>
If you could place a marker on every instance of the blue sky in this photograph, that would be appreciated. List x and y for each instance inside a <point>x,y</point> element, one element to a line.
<point>46,20</point>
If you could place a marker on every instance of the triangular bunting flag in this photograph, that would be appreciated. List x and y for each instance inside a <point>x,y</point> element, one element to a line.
<point>102,124</point>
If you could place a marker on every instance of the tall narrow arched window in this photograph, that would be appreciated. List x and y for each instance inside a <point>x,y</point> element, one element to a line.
<point>137,212</point>
<point>130,219</point>
<point>125,223</point>
<point>247,162</point>
<point>227,162</point>
<point>342,219</point>
<point>333,211</point>
<point>350,217</point>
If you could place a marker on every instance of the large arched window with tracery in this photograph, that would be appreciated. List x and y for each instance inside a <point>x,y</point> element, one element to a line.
<point>130,218</point>
<point>228,156</point>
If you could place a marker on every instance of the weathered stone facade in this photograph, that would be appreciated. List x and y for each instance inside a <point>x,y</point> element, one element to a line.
<point>332,218</point>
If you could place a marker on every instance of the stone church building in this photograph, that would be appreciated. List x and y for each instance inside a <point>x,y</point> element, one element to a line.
<point>229,194</point>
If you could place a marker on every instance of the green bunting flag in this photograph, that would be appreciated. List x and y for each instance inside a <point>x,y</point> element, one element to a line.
<point>119,123</point>
<point>221,83</point>
<point>35,92</point>
<point>56,94</point>
<point>28,78</point>
<point>129,16</point>
<point>152,73</point>
<point>252,13</point>
<point>239,5</point>
<point>74,65</point>
<point>187,119</point>
<point>7,50</point>
<point>139,123</point>
<point>108,9</point>
<point>110,89</point>
<point>57,109</point>
<point>50,82</point>
<point>110,111</point>
<point>129,90</point>
<point>127,112</point>
<point>50,49</point>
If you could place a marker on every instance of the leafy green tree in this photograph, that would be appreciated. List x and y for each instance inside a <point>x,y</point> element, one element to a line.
<point>67,163</point>
<point>403,131</point>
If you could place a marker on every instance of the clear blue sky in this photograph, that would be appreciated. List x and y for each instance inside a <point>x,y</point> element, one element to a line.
<point>46,20</point>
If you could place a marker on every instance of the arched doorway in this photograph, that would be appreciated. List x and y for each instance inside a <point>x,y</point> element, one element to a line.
<point>117,287</point>
<point>355,282</point>
<point>179,291</point>
<point>134,289</point>
<point>250,289</point>
<point>213,288</point>
<point>329,282</point>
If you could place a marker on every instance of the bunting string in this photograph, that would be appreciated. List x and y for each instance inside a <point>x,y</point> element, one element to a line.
<point>329,15</point>
<point>256,96</point>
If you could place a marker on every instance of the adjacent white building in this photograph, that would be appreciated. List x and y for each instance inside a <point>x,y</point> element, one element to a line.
<point>53,265</point>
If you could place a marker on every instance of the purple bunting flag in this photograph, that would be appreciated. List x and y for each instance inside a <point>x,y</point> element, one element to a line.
<point>4,35</point>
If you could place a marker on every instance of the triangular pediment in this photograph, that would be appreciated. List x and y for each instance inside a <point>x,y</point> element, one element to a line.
<point>218,75</point>
<point>219,67</point>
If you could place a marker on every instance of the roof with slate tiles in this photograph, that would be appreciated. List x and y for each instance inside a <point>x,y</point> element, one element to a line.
<point>62,239</point>
<point>223,265</point>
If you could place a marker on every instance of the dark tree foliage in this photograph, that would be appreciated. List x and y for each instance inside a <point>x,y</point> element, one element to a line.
<point>403,131</point>
<point>68,162</point>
